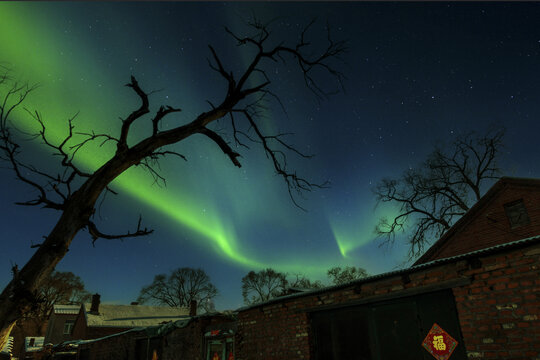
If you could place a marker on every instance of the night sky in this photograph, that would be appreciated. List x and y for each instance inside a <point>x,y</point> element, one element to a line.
<point>418,75</point>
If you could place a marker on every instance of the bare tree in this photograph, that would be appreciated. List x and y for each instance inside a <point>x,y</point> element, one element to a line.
<point>339,275</point>
<point>433,196</point>
<point>179,288</point>
<point>302,282</point>
<point>61,288</point>
<point>74,191</point>
<point>58,288</point>
<point>269,283</point>
<point>263,285</point>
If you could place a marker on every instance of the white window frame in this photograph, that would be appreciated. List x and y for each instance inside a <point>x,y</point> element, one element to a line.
<point>68,327</point>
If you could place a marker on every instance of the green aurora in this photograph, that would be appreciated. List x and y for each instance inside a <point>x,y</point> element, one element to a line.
<point>64,89</point>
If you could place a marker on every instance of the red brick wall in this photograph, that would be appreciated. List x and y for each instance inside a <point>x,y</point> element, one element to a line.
<point>498,312</point>
<point>491,227</point>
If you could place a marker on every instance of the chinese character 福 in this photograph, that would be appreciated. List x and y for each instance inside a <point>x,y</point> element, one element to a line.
<point>438,343</point>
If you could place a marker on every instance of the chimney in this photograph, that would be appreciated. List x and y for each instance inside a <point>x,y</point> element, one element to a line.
<point>193,308</point>
<point>95,303</point>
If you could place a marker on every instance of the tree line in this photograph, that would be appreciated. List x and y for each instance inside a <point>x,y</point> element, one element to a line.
<point>183,285</point>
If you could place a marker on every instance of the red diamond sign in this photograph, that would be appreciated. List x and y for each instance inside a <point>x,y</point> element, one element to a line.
<point>439,343</point>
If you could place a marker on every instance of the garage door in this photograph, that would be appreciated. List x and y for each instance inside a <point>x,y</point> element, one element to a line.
<point>386,330</point>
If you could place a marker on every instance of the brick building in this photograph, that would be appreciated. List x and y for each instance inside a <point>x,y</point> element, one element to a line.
<point>480,283</point>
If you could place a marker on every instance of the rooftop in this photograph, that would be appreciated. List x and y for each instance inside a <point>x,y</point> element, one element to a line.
<point>127,316</point>
<point>67,309</point>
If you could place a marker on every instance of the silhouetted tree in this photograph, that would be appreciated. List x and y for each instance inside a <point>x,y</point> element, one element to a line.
<point>74,191</point>
<point>268,283</point>
<point>179,288</point>
<point>433,196</point>
<point>58,288</point>
<point>61,288</point>
<point>339,275</point>
<point>302,282</point>
<point>263,285</point>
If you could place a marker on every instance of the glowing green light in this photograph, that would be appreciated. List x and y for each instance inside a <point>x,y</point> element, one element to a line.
<point>354,234</point>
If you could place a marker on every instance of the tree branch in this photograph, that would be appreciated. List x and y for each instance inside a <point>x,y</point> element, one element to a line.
<point>96,234</point>
<point>222,145</point>
<point>122,142</point>
<point>161,113</point>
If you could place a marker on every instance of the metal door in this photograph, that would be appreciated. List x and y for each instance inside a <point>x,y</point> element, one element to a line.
<point>395,327</point>
<point>342,334</point>
<point>385,330</point>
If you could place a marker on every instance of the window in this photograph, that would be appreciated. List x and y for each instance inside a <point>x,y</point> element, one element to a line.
<point>517,213</point>
<point>68,327</point>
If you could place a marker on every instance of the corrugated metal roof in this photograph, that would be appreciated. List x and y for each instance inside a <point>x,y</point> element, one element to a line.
<point>8,346</point>
<point>67,309</point>
<point>36,346</point>
<point>486,251</point>
<point>133,315</point>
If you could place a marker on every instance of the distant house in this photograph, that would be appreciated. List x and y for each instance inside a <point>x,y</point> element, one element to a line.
<point>97,320</point>
<point>61,323</point>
